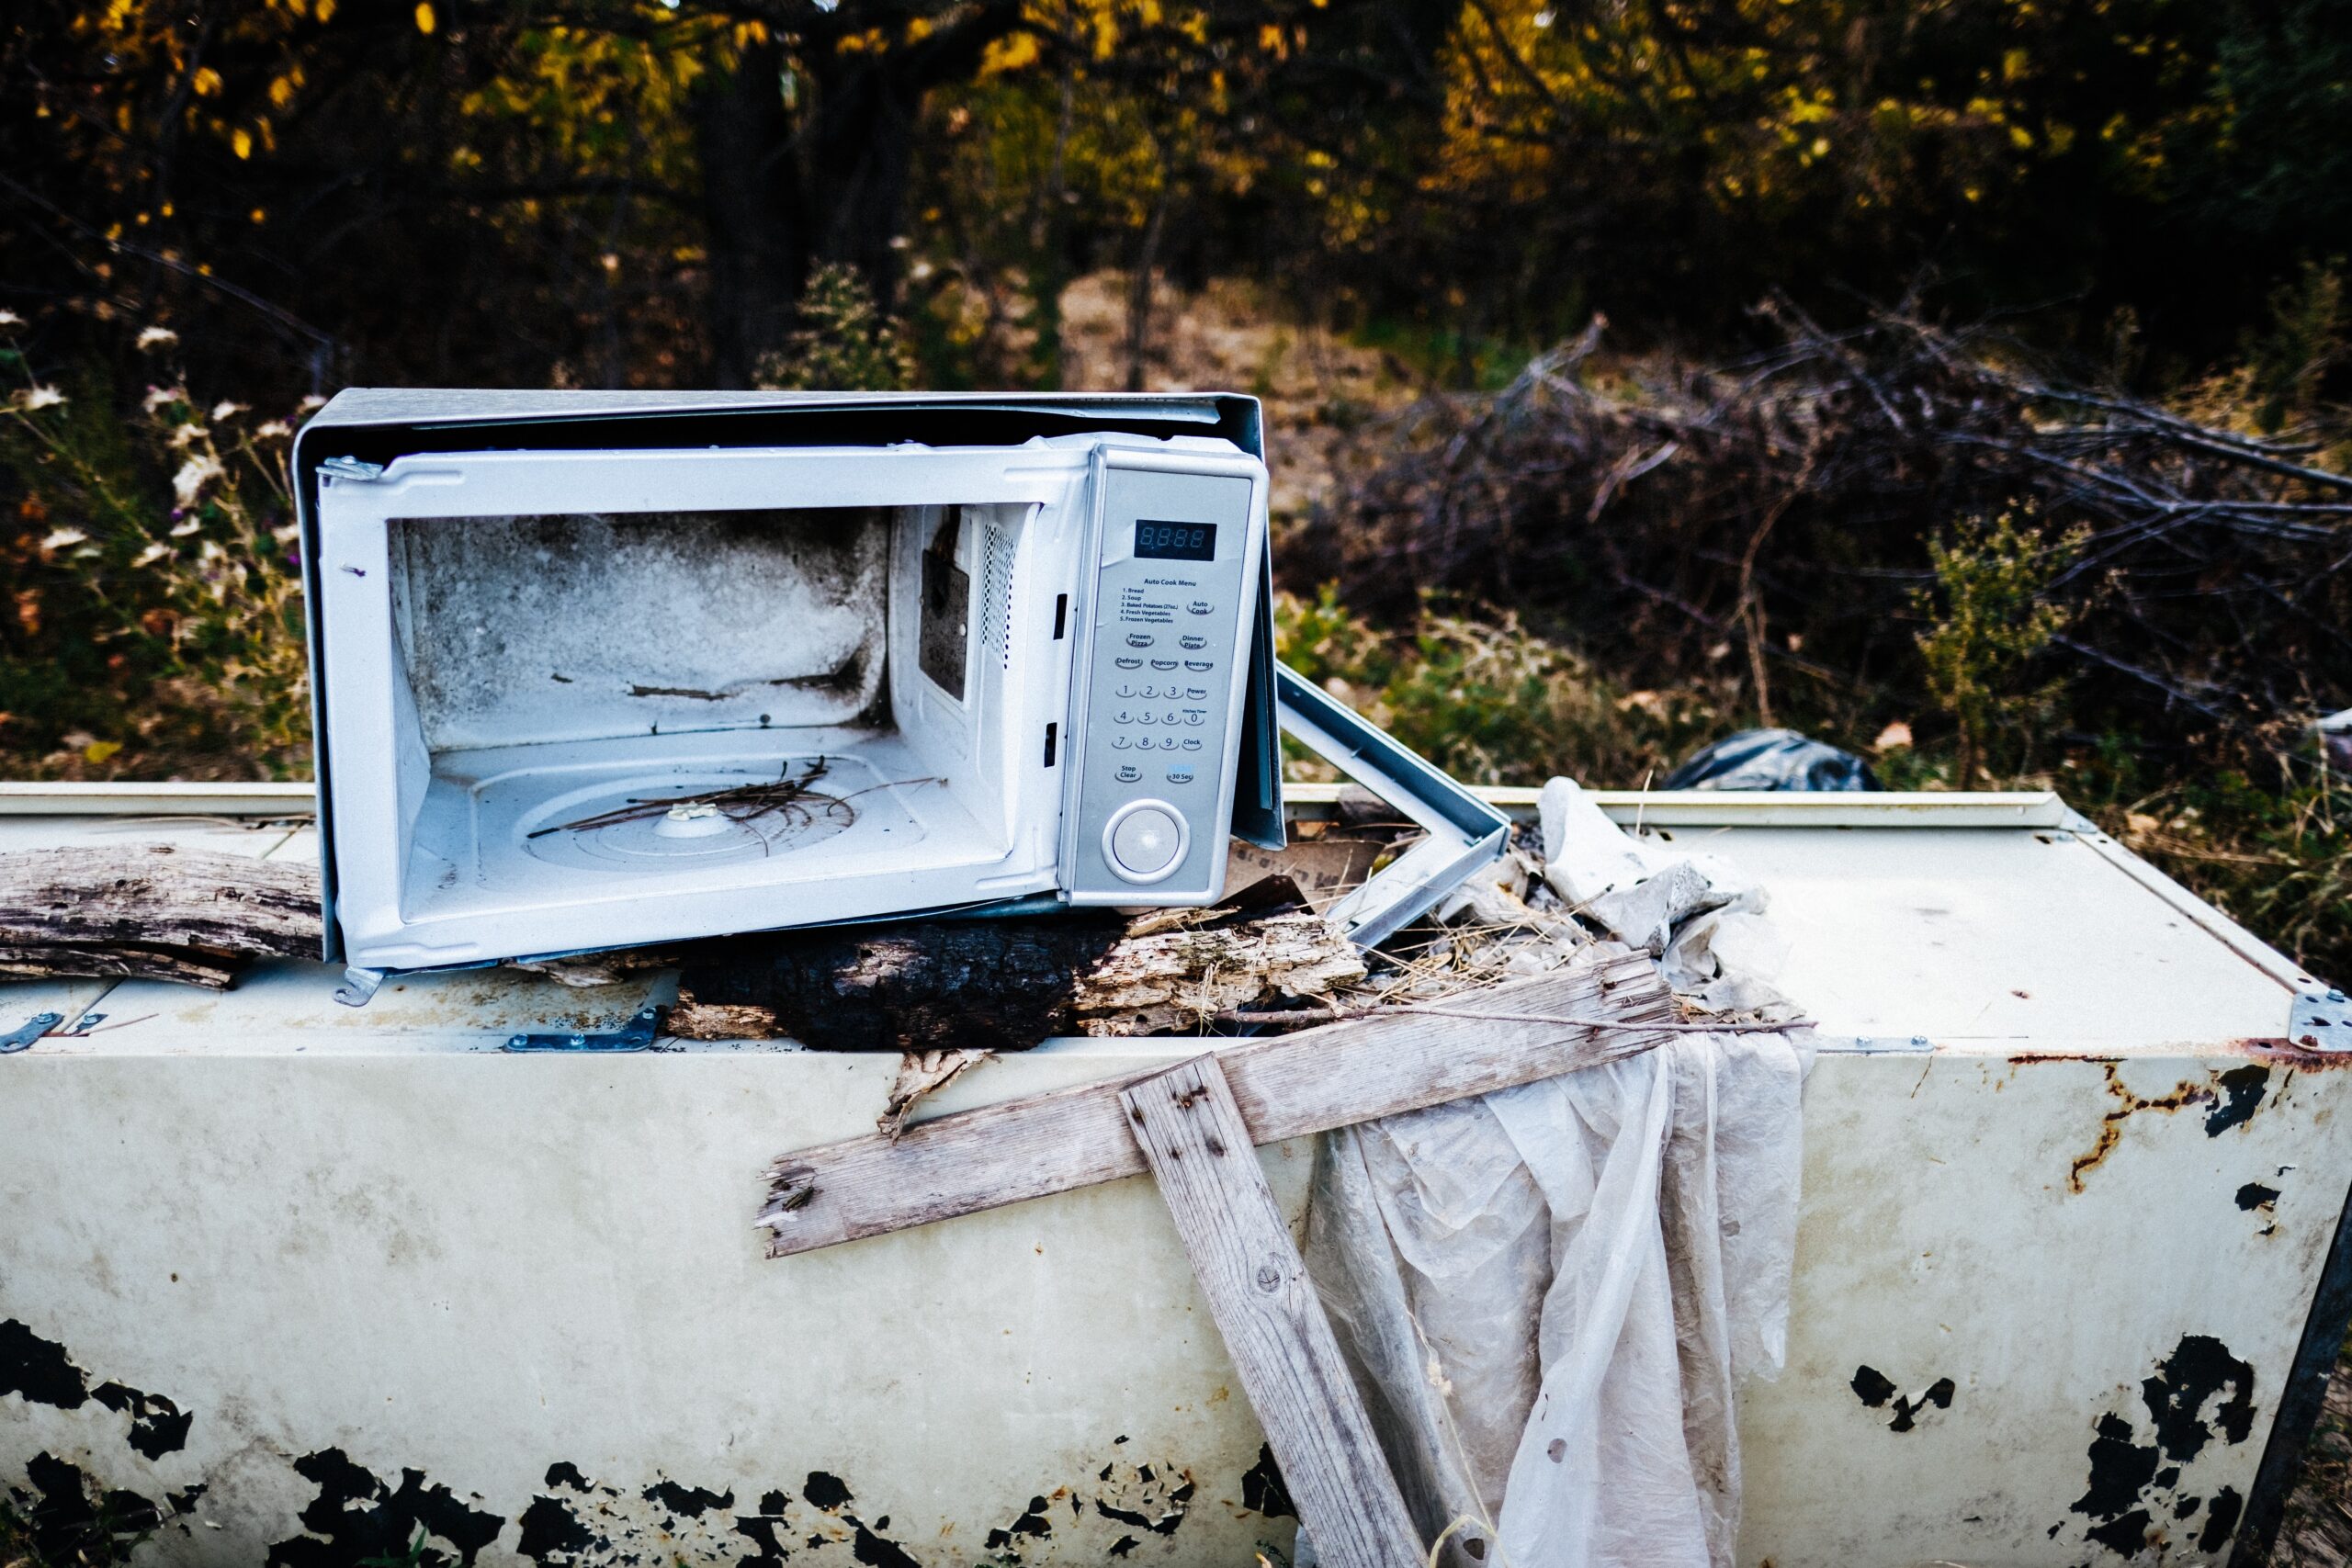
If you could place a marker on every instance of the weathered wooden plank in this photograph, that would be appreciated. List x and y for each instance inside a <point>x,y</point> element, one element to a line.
<point>1287,1086</point>
<point>158,896</point>
<point>1193,1136</point>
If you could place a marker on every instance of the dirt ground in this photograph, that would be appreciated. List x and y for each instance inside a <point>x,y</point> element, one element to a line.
<point>2316,1531</point>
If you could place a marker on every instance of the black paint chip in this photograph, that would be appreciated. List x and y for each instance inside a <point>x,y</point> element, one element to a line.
<point>875,1551</point>
<point>2221,1520</point>
<point>692,1502</point>
<point>38,1369</point>
<point>563,1472</point>
<point>2200,1368</point>
<point>2127,1534</point>
<point>2255,1195</point>
<point>2242,1091</point>
<point>825,1491</point>
<point>1873,1387</point>
<point>549,1528</point>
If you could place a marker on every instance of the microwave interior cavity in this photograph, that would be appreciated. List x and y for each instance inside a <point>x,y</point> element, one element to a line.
<point>647,695</point>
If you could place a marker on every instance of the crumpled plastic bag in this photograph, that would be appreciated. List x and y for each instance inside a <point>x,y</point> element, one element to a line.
<point>1549,1295</point>
<point>1770,758</point>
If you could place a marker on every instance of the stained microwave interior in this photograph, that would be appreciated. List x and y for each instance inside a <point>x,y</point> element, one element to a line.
<point>582,697</point>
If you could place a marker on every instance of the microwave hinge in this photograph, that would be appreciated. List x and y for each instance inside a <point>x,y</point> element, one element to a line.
<point>637,1034</point>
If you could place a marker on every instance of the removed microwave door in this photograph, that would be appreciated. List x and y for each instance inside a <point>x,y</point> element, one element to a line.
<point>1460,833</point>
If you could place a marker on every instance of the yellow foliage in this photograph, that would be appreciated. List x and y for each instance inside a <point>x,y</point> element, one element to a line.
<point>426,21</point>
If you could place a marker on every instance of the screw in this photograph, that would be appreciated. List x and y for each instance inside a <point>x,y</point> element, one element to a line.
<point>579,1040</point>
<point>2335,996</point>
<point>518,1040</point>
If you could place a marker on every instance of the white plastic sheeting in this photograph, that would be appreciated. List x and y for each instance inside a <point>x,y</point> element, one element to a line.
<point>1551,1295</point>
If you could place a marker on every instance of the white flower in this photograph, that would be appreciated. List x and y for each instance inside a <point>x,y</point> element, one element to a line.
<point>10,319</point>
<point>157,337</point>
<point>276,430</point>
<point>199,470</point>
<point>157,397</point>
<point>181,530</point>
<point>184,433</point>
<point>225,410</point>
<point>312,401</point>
<point>151,553</point>
<point>288,534</point>
<point>38,397</point>
<point>63,538</point>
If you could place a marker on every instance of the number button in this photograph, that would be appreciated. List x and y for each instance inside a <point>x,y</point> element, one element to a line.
<point>1120,744</point>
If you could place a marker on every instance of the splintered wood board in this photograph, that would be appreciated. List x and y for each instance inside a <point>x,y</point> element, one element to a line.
<point>1285,1086</point>
<point>1190,1131</point>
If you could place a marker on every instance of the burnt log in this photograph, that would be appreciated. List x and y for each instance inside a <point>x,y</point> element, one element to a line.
<point>999,985</point>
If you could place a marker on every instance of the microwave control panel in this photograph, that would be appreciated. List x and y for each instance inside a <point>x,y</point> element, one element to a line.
<point>1168,635</point>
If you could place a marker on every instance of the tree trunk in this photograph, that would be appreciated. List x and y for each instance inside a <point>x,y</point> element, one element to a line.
<point>752,206</point>
<point>861,153</point>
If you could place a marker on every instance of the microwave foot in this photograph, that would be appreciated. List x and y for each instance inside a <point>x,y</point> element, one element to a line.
<point>358,985</point>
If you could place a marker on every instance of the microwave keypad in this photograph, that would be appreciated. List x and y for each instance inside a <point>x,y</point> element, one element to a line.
<point>1158,729</point>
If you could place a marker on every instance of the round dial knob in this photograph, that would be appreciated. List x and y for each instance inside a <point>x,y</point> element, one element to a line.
<point>1144,841</point>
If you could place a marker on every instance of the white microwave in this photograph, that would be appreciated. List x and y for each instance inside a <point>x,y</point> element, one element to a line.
<point>594,669</point>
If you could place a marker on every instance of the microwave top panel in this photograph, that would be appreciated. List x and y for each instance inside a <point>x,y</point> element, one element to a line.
<point>363,430</point>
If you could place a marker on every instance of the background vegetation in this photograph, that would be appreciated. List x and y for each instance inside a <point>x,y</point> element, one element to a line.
<point>1960,381</point>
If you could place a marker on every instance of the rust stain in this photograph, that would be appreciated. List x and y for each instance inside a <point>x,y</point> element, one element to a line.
<point>2290,1054</point>
<point>2110,1132</point>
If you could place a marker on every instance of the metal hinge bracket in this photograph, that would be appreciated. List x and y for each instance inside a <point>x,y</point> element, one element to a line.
<point>32,1029</point>
<point>637,1034</point>
<point>2321,1018</point>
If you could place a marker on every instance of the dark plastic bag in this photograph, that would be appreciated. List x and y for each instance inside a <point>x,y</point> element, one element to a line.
<point>1770,758</point>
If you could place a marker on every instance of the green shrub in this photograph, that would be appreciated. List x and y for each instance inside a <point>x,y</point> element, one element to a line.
<point>1484,698</point>
<point>843,342</point>
<point>153,620</point>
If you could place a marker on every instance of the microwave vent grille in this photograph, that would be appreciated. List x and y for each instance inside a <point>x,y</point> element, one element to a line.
<point>996,593</point>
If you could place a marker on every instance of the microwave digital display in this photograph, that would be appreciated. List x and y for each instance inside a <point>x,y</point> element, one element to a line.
<point>1158,540</point>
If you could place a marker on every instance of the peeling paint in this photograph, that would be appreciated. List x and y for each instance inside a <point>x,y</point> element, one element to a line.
<point>42,1372</point>
<point>2197,1392</point>
<point>1263,1489</point>
<point>355,1517</point>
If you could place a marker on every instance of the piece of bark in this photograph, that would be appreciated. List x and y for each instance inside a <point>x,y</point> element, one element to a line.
<point>118,961</point>
<point>149,896</point>
<point>695,1019</point>
<point>1181,979</point>
<point>922,1073</point>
